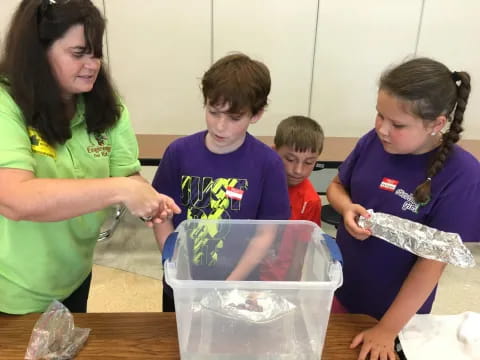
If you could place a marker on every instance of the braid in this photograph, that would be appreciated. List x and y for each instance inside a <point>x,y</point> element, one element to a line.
<point>423,191</point>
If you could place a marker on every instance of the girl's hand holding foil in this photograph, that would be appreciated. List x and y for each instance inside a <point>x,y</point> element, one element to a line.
<point>351,215</point>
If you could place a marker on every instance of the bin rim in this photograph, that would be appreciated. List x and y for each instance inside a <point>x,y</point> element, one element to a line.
<point>335,265</point>
<point>170,270</point>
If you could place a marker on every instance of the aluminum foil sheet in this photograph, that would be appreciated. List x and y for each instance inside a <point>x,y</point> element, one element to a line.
<point>419,239</point>
<point>255,307</point>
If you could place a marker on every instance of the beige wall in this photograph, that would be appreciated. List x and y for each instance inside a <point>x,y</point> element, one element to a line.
<point>325,56</point>
<point>279,33</point>
<point>356,40</point>
<point>450,33</point>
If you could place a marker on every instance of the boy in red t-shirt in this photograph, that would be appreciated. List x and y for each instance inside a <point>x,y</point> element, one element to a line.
<point>299,142</point>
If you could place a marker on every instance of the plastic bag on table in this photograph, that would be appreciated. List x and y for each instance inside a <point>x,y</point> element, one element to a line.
<point>54,335</point>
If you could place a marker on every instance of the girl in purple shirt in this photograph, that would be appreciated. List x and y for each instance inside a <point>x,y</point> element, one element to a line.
<point>408,166</point>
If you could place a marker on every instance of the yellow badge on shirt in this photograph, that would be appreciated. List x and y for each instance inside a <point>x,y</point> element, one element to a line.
<point>39,145</point>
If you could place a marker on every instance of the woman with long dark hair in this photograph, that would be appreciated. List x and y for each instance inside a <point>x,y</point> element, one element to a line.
<point>67,152</point>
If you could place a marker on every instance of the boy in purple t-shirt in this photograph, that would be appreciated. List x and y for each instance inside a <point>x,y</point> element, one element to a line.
<point>410,167</point>
<point>225,173</point>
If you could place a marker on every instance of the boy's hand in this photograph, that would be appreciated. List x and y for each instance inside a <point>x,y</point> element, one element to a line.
<point>350,218</point>
<point>378,341</point>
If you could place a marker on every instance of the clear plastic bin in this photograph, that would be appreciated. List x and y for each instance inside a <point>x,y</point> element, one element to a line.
<point>280,308</point>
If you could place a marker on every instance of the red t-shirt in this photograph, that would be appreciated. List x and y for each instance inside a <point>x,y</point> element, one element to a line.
<point>305,204</point>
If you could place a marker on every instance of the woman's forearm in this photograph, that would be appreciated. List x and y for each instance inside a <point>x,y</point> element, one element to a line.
<point>58,199</point>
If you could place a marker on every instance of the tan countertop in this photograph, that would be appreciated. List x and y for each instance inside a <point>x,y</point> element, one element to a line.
<point>334,149</point>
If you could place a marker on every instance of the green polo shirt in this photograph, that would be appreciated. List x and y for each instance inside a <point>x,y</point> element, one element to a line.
<point>42,261</point>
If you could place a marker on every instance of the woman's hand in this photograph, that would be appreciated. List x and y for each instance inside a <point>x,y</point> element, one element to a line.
<point>166,211</point>
<point>378,341</point>
<point>142,200</point>
<point>350,218</point>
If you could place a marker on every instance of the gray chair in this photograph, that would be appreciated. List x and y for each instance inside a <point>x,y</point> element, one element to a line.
<point>323,173</point>
<point>330,216</point>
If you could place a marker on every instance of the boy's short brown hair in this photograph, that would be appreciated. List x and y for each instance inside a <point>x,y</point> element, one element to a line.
<point>239,81</point>
<point>300,133</point>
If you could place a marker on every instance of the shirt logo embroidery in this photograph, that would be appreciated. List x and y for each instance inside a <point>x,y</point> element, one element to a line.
<point>388,184</point>
<point>101,139</point>
<point>304,207</point>
<point>39,145</point>
<point>410,204</point>
<point>103,149</point>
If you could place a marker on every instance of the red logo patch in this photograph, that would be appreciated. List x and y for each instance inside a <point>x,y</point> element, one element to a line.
<point>388,184</point>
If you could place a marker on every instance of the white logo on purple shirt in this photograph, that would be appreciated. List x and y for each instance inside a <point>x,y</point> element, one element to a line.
<point>410,204</point>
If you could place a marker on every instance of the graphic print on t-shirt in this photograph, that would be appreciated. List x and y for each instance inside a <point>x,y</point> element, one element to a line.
<point>208,198</point>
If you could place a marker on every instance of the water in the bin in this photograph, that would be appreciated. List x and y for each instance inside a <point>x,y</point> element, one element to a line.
<point>215,337</point>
